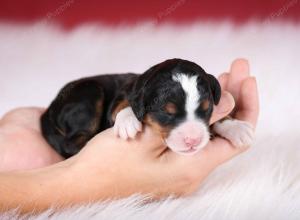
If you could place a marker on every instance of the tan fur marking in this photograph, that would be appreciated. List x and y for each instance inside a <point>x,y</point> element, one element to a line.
<point>170,108</point>
<point>163,131</point>
<point>80,140</point>
<point>121,105</point>
<point>204,104</point>
<point>96,121</point>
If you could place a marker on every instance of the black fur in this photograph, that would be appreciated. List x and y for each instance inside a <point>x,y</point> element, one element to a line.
<point>84,107</point>
<point>66,123</point>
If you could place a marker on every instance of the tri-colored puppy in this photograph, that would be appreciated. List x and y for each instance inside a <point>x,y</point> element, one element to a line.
<point>175,97</point>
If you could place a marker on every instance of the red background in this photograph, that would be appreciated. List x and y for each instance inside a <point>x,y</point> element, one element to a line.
<point>132,11</point>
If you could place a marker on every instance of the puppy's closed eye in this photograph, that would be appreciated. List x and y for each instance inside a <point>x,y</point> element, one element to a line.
<point>170,108</point>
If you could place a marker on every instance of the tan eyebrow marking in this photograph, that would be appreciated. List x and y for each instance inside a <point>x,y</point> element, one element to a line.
<point>204,104</point>
<point>121,105</point>
<point>170,108</point>
<point>164,131</point>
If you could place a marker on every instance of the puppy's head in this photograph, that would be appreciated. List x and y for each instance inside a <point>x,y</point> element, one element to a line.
<point>176,98</point>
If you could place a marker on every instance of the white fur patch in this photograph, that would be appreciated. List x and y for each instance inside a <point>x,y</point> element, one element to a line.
<point>192,128</point>
<point>189,85</point>
<point>239,133</point>
<point>126,124</point>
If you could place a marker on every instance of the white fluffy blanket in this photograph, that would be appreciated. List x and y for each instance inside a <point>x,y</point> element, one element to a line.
<point>263,183</point>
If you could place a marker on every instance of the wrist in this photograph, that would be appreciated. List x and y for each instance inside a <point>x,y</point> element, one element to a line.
<point>72,182</point>
<point>37,189</point>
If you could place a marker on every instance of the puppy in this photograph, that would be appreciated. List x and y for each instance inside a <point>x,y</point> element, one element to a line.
<point>175,98</point>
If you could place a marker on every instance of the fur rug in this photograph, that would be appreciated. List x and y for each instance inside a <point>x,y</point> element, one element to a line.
<point>263,183</point>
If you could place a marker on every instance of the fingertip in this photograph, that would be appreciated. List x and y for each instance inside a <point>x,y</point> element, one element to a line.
<point>240,66</point>
<point>240,62</point>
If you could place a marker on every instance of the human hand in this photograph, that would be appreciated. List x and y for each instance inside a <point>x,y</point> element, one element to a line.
<point>22,145</point>
<point>112,167</point>
<point>109,167</point>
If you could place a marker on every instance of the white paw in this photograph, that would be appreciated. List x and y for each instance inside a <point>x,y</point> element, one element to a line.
<point>126,124</point>
<point>239,133</point>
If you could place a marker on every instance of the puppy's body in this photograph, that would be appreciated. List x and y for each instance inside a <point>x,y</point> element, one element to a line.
<point>175,98</point>
<point>82,109</point>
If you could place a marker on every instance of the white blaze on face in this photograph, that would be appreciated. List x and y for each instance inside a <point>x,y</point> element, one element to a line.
<point>192,134</point>
<point>189,85</point>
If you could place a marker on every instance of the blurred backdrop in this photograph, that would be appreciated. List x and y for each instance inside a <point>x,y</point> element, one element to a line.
<point>45,44</point>
<point>71,13</point>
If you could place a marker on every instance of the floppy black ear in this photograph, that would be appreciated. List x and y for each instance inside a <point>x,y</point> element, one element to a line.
<point>215,88</point>
<point>136,99</point>
<point>136,94</point>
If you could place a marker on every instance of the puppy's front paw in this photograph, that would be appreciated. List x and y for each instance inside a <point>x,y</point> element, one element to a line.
<point>126,124</point>
<point>239,133</point>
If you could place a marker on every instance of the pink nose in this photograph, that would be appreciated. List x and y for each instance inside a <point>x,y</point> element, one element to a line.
<point>191,142</point>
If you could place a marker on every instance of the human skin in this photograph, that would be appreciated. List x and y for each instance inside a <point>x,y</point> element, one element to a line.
<point>109,167</point>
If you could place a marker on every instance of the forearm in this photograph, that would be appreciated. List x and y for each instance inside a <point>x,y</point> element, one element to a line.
<point>55,186</point>
<point>33,190</point>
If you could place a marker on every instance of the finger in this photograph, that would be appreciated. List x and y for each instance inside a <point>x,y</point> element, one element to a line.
<point>239,71</point>
<point>219,150</point>
<point>28,117</point>
<point>248,108</point>
<point>223,79</point>
<point>216,152</point>
<point>224,107</point>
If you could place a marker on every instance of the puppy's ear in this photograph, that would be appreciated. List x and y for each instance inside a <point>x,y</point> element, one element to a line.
<point>138,92</point>
<point>136,99</point>
<point>215,88</point>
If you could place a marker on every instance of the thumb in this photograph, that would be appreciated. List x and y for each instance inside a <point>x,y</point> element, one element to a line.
<point>224,107</point>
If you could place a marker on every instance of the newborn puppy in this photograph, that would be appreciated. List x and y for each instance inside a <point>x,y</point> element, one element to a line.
<point>175,98</point>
